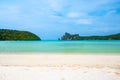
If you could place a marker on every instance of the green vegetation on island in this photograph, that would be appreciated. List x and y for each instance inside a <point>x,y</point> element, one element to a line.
<point>68,36</point>
<point>7,34</point>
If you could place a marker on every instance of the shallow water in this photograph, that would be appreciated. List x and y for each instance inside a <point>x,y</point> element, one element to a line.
<point>88,46</point>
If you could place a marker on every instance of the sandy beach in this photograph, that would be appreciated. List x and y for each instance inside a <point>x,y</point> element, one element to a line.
<point>59,66</point>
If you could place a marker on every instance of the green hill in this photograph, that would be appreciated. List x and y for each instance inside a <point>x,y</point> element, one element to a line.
<point>68,36</point>
<point>7,34</point>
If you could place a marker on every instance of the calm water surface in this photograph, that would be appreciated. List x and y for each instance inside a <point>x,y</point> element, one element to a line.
<point>95,46</point>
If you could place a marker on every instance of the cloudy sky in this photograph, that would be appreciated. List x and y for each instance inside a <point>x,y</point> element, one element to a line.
<point>50,19</point>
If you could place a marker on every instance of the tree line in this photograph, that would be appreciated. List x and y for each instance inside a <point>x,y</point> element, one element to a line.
<point>7,34</point>
<point>68,36</point>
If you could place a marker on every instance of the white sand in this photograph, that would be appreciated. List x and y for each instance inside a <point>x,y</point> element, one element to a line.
<point>59,67</point>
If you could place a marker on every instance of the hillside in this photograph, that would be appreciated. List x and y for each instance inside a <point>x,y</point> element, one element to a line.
<point>68,36</point>
<point>7,34</point>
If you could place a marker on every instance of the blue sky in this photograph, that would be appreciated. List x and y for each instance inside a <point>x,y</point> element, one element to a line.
<point>50,19</point>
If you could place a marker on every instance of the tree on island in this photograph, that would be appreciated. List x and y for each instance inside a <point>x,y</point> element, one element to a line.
<point>7,34</point>
<point>68,36</point>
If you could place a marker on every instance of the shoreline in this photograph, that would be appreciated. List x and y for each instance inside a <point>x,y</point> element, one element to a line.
<point>66,53</point>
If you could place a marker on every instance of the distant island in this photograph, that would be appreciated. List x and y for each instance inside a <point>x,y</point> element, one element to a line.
<point>7,34</point>
<point>68,36</point>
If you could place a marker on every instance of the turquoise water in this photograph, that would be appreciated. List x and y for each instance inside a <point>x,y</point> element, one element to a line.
<point>95,46</point>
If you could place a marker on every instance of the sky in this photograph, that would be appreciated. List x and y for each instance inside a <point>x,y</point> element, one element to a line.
<point>50,19</point>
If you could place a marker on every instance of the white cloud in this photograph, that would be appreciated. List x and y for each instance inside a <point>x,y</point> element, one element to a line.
<point>73,15</point>
<point>56,5</point>
<point>84,21</point>
<point>77,21</point>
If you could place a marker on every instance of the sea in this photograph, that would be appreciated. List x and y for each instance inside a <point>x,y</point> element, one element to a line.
<point>61,47</point>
